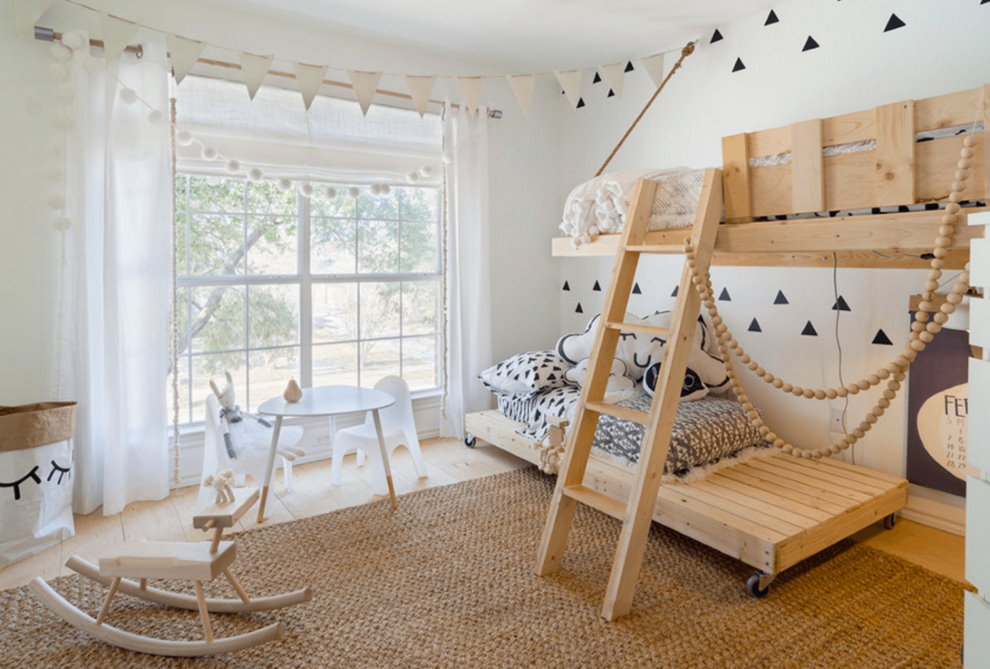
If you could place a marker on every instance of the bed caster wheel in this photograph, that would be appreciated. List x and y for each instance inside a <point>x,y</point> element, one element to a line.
<point>889,521</point>
<point>753,586</point>
<point>470,440</point>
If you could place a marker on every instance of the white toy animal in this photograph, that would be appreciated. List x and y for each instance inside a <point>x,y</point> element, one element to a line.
<point>221,483</point>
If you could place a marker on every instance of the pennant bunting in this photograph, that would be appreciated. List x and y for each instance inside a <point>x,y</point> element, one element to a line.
<point>614,74</point>
<point>117,34</point>
<point>309,78</point>
<point>253,69</point>
<point>471,88</point>
<point>570,82</point>
<point>420,89</point>
<point>654,67</point>
<point>365,84</point>
<point>522,87</point>
<point>184,54</point>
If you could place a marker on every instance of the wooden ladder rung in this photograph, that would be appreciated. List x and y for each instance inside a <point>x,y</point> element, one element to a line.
<point>633,415</point>
<point>656,248</point>
<point>596,500</point>
<point>637,327</point>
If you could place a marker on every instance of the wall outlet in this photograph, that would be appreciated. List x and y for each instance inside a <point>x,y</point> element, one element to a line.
<point>835,420</point>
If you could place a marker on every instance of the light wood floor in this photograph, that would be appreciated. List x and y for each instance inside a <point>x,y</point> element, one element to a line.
<point>448,461</point>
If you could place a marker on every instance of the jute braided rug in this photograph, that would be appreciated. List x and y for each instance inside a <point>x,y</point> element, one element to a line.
<point>446,581</point>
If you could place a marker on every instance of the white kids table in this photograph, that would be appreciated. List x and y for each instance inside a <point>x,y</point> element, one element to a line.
<point>326,401</point>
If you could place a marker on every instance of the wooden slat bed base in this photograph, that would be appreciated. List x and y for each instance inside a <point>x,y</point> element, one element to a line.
<point>770,513</point>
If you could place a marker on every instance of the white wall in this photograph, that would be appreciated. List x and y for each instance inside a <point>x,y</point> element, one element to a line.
<point>520,206</point>
<point>858,66</point>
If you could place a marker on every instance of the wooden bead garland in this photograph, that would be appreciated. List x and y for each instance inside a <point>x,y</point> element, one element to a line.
<point>922,333</point>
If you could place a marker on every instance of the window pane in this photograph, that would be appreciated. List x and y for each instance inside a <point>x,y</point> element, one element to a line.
<point>207,367</point>
<point>271,245</point>
<point>184,415</point>
<point>341,204</point>
<point>377,206</point>
<point>419,247</point>
<point>332,246</point>
<point>273,315</point>
<point>419,362</point>
<point>419,307</point>
<point>265,197</point>
<point>378,246</point>
<point>217,318</point>
<point>334,312</point>
<point>270,372</point>
<point>419,204</point>
<point>335,364</point>
<point>216,245</point>
<point>215,194</point>
<point>378,360</point>
<point>379,309</point>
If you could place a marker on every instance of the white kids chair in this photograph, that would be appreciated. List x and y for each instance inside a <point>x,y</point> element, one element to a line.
<point>398,428</point>
<point>252,448</point>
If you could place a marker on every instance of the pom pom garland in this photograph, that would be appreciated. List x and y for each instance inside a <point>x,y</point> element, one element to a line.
<point>331,192</point>
<point>128,96</point>
<point>183,138</point>
<point>155,117</point>
<point>254,174</point>
<point>209,153</point>
<point>74,40</point>
<point>306,189</point>
<point>284,184</point>
<point>233,166</point>
<point>353,191</point>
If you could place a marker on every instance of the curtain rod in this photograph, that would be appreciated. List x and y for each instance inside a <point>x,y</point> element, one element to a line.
<point>49,35</point>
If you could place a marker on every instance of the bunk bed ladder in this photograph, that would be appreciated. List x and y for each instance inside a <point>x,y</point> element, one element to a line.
<point>636,513</point>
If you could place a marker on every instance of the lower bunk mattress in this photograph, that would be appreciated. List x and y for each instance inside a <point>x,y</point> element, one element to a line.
<point>706,431</point>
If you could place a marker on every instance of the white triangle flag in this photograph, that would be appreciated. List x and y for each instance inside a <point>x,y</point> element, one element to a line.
<point>29,11</point>
<point>614,75</point>
<point>253,69</point>
<point>522,86</point>
<point>309,78</point>
<point>420,89</point>
<point>365,84</point>
<point>654,67</point>
<point>184,54</point>
<point>570,81</point>
<point>117,34</point>
<point>471,88</point>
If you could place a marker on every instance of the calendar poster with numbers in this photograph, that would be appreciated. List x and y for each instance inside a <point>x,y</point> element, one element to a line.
<point>938,404</point>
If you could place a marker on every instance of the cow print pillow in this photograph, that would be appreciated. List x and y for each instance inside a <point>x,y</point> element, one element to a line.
<point>526,373</point>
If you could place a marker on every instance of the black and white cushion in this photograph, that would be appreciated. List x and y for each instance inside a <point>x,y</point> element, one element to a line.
<point>526,373</point>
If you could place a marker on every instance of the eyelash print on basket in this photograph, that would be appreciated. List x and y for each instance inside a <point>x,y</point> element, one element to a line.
<point>62,471</point>
<point>16,485</point>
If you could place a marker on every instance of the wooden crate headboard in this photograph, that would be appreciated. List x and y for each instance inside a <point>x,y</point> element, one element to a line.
<point>898,171</point>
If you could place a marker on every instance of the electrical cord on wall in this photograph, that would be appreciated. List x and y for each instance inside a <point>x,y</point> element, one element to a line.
<point>838,346</point>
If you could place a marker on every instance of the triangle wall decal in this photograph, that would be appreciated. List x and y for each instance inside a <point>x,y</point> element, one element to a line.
<point>771,18</point>
<point>738,66</point>
<point>611,93</point>
<point>636,290</point>
<point>882,338</point>
<point>597,79</point>
<point>629,67</point>
<point>809,44</point>
<point>841,305</point>
<point>597,287</point>
<point>567,286</point>
<point>674,294</point>
<point>724,296</point>
<point>716,37</point>
<point>579,310</point>
<point>809,330</point>
<point>755,326</point>
<point>780,299</point>
<point>580,103</point>
<point>893,23</point>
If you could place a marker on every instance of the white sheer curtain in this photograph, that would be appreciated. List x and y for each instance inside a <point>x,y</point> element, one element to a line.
<point>113,347</point>
<point>468,303</point>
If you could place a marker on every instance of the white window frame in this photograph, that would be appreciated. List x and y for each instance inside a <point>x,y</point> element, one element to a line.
<point>306,279</point>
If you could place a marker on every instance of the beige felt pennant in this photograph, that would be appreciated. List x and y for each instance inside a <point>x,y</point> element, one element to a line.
<point>253,69</point>
<point>184,54</point>
<point>117,34</point>
<point>522,87</point>
<point>420,89</point>
<point>654,67</point>
<point>570,82</point>
<point>309,78</point>
<point>365,84</point>
<point>471,88</point>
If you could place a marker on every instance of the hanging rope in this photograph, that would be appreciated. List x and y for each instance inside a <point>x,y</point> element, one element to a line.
<point>176,456</point>
<point>685,52</point>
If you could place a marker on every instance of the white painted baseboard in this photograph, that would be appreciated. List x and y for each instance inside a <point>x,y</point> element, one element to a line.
<point>935,508</point>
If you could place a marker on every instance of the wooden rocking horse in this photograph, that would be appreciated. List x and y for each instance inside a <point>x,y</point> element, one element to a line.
<point>198,562</point>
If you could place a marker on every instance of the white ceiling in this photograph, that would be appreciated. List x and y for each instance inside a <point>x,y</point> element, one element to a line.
<point>521,35</point>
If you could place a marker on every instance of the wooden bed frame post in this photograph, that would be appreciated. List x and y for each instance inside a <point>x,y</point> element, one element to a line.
<point>637,513</point>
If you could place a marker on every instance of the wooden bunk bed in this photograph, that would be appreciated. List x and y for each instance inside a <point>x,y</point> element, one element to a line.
<point>771,512</point>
